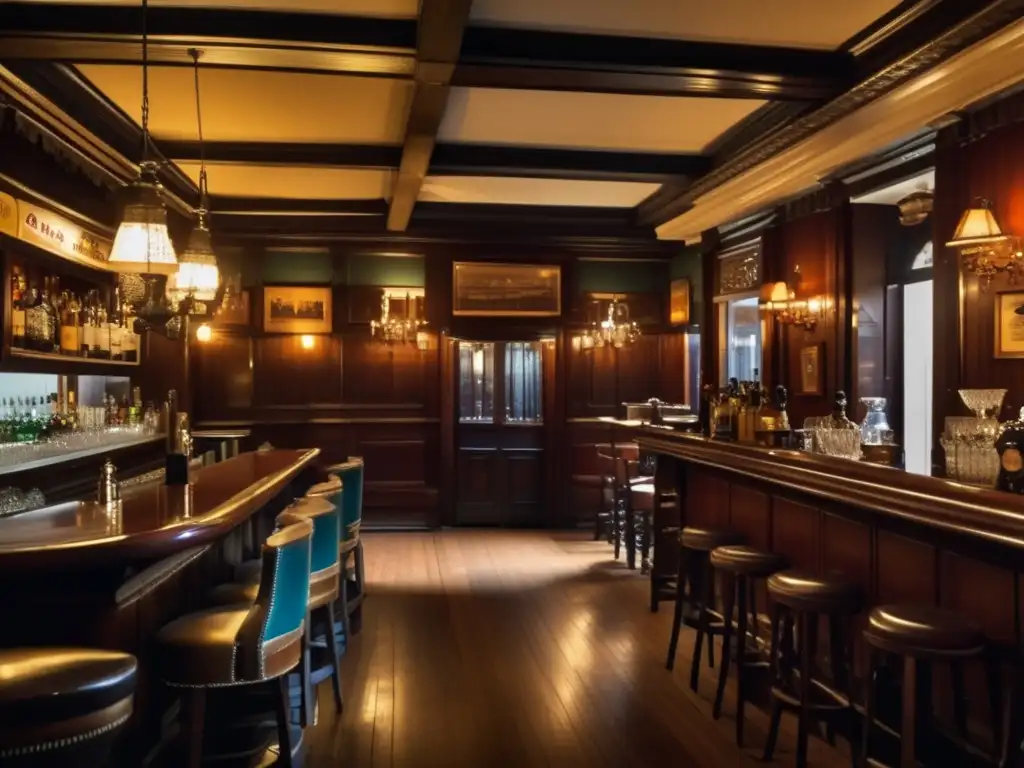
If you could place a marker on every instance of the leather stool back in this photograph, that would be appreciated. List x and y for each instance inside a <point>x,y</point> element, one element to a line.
<point>63,706</point>
<point>324,567</point>
<point>351,475</point>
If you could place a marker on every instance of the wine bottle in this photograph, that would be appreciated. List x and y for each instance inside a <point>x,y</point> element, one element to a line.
<point>102,333</point>
<point>19,296</point>
<point>69,343</point>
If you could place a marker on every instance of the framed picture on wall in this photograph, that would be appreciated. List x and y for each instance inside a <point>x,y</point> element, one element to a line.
<point>296,309</point>
<point>1009,330</point>
<point>679,302</point>
<point>487,289</point>
<point>811,370</point>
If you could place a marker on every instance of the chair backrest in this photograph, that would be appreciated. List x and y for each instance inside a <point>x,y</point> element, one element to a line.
<point>351,475</point>
<point>269,641</point>
<point>326,519</point>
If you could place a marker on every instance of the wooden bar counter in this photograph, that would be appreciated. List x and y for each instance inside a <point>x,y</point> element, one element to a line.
<point>903,538</point>
<point>81,574</point>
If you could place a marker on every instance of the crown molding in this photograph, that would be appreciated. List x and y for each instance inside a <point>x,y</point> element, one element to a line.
<point>872,116</point>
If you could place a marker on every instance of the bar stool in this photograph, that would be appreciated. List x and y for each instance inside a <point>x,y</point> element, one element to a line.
<point>351,473</point>
<point>604,511</point>
<point>610,501</point>
<point>641,510</point>
<point>801,598</point>
<point>923,635</point>
<point>741,568</point>
<point>323,590</point>
<point>237,645</point>
<point>63,706</point>
<point>695,545</point>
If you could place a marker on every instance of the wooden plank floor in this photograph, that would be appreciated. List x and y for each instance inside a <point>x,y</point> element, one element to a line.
<point>521,649</point>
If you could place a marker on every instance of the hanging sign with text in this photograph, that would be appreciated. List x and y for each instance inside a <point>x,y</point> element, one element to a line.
<point>56,234</point>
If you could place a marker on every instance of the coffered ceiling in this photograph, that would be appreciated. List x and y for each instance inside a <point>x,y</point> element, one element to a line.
<point>608,117</point>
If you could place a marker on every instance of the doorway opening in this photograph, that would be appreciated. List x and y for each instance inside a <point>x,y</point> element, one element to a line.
<point>500,432</point>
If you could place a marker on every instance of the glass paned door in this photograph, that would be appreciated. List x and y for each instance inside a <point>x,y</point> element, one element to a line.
<point>523,376</point>
<point>476,383</point>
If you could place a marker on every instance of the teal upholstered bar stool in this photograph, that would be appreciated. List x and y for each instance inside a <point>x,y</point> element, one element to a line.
<point>323,588</point>
<point>353,588</point>
<point>243,644</point>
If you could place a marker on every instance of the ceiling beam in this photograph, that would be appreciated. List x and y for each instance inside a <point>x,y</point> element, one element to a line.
<point>439,39</point>
<point>229,205</point>
<point>496,57</point>
<point>589,165</point>
<point>111,34</point>
<point>366,156</point>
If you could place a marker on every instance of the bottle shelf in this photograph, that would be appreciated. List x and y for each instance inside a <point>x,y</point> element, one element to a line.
<point>21,360</point>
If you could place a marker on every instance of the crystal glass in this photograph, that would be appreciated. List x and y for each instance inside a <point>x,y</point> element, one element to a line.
<point>843,443</point>
<point>875,425</point>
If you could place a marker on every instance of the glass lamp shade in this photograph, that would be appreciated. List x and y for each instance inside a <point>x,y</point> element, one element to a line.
<point>774,296</point>
<point>143,244</point>
<point>977,226</point>
<point>197,273</point>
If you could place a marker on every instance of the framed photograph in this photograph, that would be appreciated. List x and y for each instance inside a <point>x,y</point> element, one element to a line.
<point>296,309</point>
<point>679,302</point>
<point>1009,330</point>
<point>811,370</point>
<point>484,289</point>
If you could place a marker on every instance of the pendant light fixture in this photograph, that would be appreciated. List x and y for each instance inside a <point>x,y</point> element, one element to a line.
<point>143,244</point>
<point>197,277</point>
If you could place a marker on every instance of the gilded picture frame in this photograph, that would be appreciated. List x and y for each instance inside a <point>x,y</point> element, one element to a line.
<point>1009,324</point>
<point>297,309</point>
<point>490,289</point>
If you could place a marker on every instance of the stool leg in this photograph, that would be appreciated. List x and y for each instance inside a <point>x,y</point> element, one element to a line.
<point>808,640</point>
<point>193,717</point>
<point>645,542</point>
<point>730,585</point>
<point>306,692</point>
<point>677,616</point>
<point>616,523</point>
<point>956,673</point>
<point>703,620</point>
<point>627,503</point>
<point>743,589</point>
<point>869,707</point>
<point>284,731</point>
<point>908,733</point>
<point>343,594</point>
<point>332,649</point>
<point>775,661</point>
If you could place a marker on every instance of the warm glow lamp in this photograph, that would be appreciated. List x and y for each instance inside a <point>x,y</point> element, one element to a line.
<point>143,244</point>
<point>977,226</point>
<point>307,341</point>
<point>204,333</point>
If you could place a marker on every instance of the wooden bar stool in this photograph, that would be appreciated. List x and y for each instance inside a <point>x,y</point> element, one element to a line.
<point>641,509</point>
<point>604,511</point>
<point>63,706</point>
<point>741,568</point>
<point>696,586</point>
<point>801,598</point>
<point>350,547</point>
<point>610,501</point>
<point>923,635</point>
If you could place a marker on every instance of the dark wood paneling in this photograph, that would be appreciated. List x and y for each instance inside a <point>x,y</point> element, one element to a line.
<point>796,533</point>
<point>288,375</point>
<point>222,375</point>
<point>479,482</point>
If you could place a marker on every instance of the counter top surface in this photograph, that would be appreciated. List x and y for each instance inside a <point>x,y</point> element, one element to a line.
<point>153,519</point>
<point>129,441</point>
<point>221,434</point>
<point>957,508</point>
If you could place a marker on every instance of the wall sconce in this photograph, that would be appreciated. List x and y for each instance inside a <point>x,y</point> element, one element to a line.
<point>780,300</point>
<point>307,341</point>
<point>422,341</point>
<point>204,333</point>
<point>984,250</point>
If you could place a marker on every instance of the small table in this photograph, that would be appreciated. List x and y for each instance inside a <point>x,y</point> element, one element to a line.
<point>228,440</point>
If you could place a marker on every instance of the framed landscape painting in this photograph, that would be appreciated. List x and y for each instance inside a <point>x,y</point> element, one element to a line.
<point>296,309</point>
<point>487,289</point>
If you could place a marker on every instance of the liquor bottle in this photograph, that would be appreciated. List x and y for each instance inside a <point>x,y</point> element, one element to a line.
<point>69,343</point>
<point>72,414</point>
<point>19,296</point>
<point>102,332</point>
<point>52,298</point>
<point>82,316</point>
<point>130,341</point>
<point>91,327</point>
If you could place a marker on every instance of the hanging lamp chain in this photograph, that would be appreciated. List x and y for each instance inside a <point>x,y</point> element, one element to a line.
<point>145,81</point>
<point>203,189</point>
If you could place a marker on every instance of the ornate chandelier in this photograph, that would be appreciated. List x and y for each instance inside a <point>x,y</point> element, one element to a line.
<point>616,330</point>
<point>390,329</point>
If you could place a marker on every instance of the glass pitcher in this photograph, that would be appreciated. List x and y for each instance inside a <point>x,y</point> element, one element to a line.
<point>875,430</point>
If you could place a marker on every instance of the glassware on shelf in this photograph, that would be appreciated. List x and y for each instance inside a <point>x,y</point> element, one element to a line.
<point>875,430</point>
<point>986,403</point>
<point>838,441</point>
<point>969,443</point>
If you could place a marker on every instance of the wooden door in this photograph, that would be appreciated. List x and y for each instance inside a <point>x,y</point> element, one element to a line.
<point>499,433</point>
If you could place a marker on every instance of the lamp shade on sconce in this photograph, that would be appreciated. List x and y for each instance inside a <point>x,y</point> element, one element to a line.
<point>143,244</point>
<point>977,226</point>
<point>774,296</point>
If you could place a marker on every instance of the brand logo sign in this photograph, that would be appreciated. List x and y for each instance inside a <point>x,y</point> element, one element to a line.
<point>8,215</point>
<point>58,235</point>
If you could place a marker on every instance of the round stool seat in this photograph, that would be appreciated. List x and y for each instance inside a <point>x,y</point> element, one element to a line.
<point>806,591</point>
<point>746,561</point>
<point>642,496</point>
<point>235,592</point>
<point>707,539</point>
<point>922,630</point>
<point>57,701</point>
<point>330,487</point>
